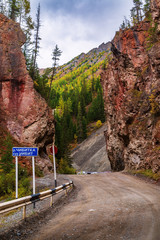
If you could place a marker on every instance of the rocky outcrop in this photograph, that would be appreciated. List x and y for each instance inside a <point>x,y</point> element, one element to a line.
<point>25,113</point>
<point>131,85</point>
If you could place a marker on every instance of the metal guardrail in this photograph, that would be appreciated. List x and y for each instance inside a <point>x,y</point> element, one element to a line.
<point>24,201</point>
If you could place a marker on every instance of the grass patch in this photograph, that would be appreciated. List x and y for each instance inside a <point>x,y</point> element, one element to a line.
<point>148,173</point>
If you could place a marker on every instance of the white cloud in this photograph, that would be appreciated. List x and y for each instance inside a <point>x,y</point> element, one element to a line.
<point>77,28</point>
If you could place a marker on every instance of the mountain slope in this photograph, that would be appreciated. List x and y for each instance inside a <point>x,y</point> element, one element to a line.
<point>71,75</point>
<point>91,154</point>
<point>75,92</point>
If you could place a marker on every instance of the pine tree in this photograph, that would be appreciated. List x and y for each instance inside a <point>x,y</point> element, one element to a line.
<point>14,9</point>
<point>84,127</point>
<point>2,7</point>
<point>123,26</point>
<point>147,7</point>
<point>82,103</point>
<point>136,11</point>
<point>79,124</point>
<point>55,57</point>
<point>92,82</point>
<point>27,26</point>
<point>33,68</point>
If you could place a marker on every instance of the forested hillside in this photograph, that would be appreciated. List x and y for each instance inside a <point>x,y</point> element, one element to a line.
<point>76,95</point>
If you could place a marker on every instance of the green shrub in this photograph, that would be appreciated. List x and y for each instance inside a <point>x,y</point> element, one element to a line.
<point>6,162</point>
<point>7,184</point>
<point>64,168</point>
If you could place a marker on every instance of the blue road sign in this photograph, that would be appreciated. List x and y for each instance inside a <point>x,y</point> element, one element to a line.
<point>24,152</point>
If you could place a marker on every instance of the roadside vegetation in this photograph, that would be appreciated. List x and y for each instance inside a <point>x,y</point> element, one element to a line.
<point>7,173</point>
<point>148,173</point>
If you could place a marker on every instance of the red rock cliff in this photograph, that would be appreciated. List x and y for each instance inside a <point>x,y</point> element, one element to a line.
<point>131,86</point>
<point>23,111</point>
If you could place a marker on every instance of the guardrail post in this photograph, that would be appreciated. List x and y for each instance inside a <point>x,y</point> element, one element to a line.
<point>24,211</point>
<point>51,201</point>
<point>66,192</point>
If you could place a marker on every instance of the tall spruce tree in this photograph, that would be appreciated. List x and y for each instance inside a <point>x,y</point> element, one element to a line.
<point>14,9</point>
<point>84,128</point>
<point>33,67</point>
<point>55,57</point>
<point>147,7</point>
<point>79,124</point>
<point>137,11</point>
<point>27,25</point>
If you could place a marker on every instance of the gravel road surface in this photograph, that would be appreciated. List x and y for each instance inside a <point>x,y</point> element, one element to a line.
<point>106,206</point>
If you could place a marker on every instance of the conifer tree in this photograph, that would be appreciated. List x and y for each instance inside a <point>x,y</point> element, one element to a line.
<point>55,57</point>
<point>2,7</point>
<point>14,9</point>
<point>79,124</point>
<point>84,127</point>
<point>136,11</point>
<point>93,82</point>
<point>33,68</point>
<point>147,7</point>
<point>82,103</point>
<point>125,24</point>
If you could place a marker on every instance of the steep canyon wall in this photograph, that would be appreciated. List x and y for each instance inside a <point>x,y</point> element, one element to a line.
<point>23,111</point>
<point>131,85</point>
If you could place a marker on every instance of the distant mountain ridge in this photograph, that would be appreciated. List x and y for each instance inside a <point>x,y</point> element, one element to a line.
<point>93,56</point>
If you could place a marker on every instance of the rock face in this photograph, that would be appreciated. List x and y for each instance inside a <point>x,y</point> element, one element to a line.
<point>91,155</point>
<point>155,7</point>
<point>131,85</point>
<point>23,111</point>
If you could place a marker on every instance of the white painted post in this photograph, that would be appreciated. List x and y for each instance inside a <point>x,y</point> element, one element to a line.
<point>54,163</point>
<point>33,170</point>
<point>16,177</point>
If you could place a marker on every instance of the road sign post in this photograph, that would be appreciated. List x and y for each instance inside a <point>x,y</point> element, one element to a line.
<point>54,162</point>
<point>33,170</point>
<point>24,152</point>
<point>16,177</point>
<point>54,150</point>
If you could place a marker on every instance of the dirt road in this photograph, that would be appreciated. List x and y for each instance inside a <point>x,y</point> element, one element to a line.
<point>107,206</point>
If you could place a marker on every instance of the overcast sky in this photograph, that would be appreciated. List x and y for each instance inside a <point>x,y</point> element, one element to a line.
<point>77,26</point>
